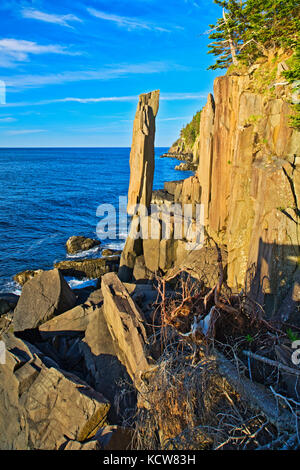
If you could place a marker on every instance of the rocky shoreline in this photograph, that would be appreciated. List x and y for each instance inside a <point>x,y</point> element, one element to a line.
<point>186,158</point>
<point>165,342</point>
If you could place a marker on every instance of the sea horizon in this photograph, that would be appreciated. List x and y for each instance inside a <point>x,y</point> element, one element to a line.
<point>52,193</point>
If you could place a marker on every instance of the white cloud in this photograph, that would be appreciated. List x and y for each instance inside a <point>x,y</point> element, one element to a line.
<point>108,73</point>
<point>103,99</point>
<point>62,20</point>
<point>17,50</point>
<point>126,22</point>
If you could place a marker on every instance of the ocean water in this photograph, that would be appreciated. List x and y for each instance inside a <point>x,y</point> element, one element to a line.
<point>50,194</point>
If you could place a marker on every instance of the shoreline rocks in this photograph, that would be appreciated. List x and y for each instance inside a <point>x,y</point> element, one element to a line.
<point>187,166</point>
<point>126,324</point>
<point>8,302</point>
<point>79,243</point>
<point>90,268</point>
<point>43,297</point>
<point>186,157</point>
<point>24,276</point>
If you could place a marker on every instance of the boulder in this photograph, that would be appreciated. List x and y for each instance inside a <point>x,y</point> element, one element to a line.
<point>43,297</point>
<point>71,323</point>
<point>25,276</point>
<point>186,166</point>
<point>115,438</point>
<point>109,252</point>
<point>126,326</point>
<point>90,268</point>
<point>140,272</point>
<point>161,196</point>
<point>13,425</point>
<point>104,370</point>
<point>41,407</point>
<point>90,445</point>
<point>170,186</point>
<point>78,243</point>
<point>8,302</point>
<point>60,406</point>
<point>142,151</point>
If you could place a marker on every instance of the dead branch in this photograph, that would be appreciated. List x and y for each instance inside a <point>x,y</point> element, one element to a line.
<point>277,364</point>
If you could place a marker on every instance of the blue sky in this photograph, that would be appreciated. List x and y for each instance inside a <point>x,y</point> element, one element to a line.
<point>73,69</point>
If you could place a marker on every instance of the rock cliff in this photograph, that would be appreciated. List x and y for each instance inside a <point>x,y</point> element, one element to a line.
<point>248,182</point>
<point>249,174</point>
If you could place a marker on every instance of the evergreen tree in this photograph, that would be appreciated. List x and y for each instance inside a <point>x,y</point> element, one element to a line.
<point>227,33</point>
<point>248,29</point>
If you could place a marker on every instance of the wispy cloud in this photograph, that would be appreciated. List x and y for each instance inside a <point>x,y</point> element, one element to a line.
<point>18,50</point>
<point>179,118</point>
<point>103,99</point>
<point>183,96</point>
<point>125,21</point>
<point>25,131</point>
<point>7,119</point>
<point>107,73</point>
<point>62,20</point>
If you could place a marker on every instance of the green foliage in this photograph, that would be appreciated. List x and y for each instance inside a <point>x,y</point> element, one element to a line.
<point>191,130</point>
<point>292,335</point>
<point>227,33</point>
<point>249,338</point>
<point>250,28</point>
<point>293,76</point>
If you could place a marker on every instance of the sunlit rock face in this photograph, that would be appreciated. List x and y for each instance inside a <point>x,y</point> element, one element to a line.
<point>249,175</point>
<point>142,151</point>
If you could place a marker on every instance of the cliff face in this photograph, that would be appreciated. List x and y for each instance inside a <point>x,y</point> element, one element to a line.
<point>249,162</point>
<point>248,180</point>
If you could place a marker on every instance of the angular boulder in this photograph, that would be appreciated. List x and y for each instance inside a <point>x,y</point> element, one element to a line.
<point>41,407</point>
<point>105,371</point>
<point>8,302</point>
<point>78,243</point>
<point>58,406</point>
<point>42,298</point>
<point>90,268</point>
<point>90,445</point>
<point>70,323</point>
<point>126,326</point>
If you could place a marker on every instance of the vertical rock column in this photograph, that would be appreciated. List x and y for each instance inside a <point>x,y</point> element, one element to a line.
<point>141,173</point>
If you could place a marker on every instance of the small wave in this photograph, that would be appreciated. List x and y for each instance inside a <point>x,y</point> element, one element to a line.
<point>11,287</point>
<point>84,253</point>
<point>118,245</point>
<point>80,283</point>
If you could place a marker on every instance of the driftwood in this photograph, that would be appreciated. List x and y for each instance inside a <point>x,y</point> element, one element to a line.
<point>257,396</point>
<point>277,364</point>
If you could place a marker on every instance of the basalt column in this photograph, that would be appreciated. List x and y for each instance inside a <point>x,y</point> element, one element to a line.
<point>141,173</point>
